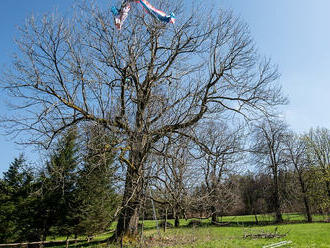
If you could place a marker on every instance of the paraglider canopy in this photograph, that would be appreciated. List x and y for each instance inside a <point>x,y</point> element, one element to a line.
<point>122,13</point>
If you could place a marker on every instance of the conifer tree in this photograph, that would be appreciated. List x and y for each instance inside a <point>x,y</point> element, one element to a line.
<point>96,194</point>
<point>59,185</point>
<point>17,203</point>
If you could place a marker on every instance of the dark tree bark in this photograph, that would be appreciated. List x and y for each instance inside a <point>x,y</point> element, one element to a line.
<point>214,216</point>
<point>129,216</point>
<point>276,200</point>
<point>133,195</point>
<point>177,220</point>
<point>256,218</point>
<point>307,205</point>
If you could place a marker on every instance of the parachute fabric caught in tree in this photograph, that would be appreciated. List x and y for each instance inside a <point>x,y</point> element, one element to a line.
<point>122,13</point>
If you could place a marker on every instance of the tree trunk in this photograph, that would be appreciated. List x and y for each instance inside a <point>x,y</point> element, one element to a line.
<point>67,242</point>
<point>176,220</point>
<point>256,218</point>
<point>278,214</point>
<point>277,203</point>
<point>165,223</point>
<point>307,208</point>
<point>214,215</point>
<point>328,188</point>
<point>129,216</point>
<point>306,201</point>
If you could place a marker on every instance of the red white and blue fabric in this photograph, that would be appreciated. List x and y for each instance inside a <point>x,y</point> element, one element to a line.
<point>160,15</point>
<point>122,13</point>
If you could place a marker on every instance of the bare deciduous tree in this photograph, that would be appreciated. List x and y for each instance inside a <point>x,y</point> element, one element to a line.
<point>296,152</point>
<point>175,176</point>
<point>142,83</point>
<point>269,151</point>
<point>222,152</point>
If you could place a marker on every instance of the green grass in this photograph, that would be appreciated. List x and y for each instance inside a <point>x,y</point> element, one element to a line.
<point>241,220</point>
<point>302,235</point>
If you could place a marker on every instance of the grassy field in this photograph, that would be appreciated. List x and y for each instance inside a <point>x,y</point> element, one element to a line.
<point>302,235</point>
<point>245,220</point>
<point>232,236</point>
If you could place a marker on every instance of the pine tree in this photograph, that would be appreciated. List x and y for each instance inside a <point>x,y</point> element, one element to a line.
<point>59,186</point>
<point>17,203</point>
<point>97,197</point>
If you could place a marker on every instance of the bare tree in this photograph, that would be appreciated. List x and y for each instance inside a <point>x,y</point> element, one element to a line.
<point>269,151</point>
<point>142,83</point>
<point>217,158</point>
<point>296,152</point>
<point>174,176</point>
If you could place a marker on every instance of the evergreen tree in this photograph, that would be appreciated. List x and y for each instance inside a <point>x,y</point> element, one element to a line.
<point>17,204</point>
<point>59,186</point>
<point>97,197</point>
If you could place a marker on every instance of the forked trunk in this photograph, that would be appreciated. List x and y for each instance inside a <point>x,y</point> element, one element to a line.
<point>306,200</point>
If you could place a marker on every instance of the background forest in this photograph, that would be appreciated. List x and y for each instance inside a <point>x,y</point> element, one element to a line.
<point>77,191</point>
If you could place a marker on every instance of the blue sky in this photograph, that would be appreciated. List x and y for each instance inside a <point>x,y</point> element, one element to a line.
<point>294,33</point>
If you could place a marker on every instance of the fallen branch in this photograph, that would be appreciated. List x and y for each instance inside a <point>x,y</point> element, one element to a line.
<point>265,235</point>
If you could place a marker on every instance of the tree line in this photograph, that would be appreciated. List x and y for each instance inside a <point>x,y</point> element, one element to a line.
<point>270,169</point>
<point>79,188</point>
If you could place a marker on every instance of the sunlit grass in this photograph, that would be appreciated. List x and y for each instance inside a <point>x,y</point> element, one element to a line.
<point>314,235</point>
<point>302,236</point>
